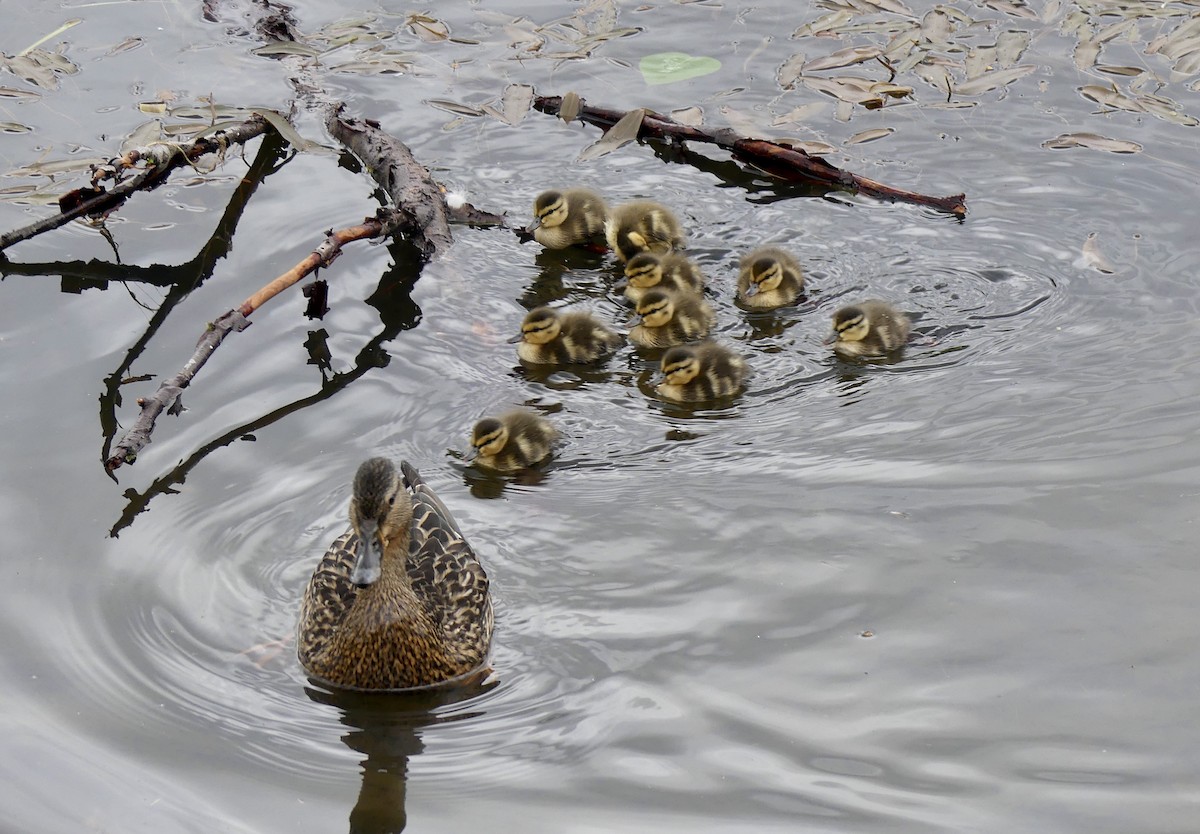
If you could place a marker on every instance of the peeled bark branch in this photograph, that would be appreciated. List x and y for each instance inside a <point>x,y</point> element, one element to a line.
<point>169,391</point>
<point>774,158</point>
<point>163,158</point>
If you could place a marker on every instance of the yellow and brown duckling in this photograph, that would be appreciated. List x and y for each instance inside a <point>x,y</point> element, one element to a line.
<point>399,600</point>
<point>697,373</point>
<point>513,441</point>
<point>769,277</point>
<point>868,328</point>
<point>568,217</point>
<point>670,271</point>
<point>549,337</point>
<point>642,226</point>
<point>671,318</point>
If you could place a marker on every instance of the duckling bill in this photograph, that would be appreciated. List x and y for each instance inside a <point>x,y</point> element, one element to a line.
<point>868,328</point>
<point>399,600</point>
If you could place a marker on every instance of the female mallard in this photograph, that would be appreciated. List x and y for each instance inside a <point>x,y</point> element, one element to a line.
<point>513,441</point>
<point>695,373</point>
<point>670,318</point>
<point>399,600</point>
<point>769,278</point>
<point>569,217</point>
<point>642,226</point>
<point>868,328</point>
<point>671,271</point>
<point>548,337</point>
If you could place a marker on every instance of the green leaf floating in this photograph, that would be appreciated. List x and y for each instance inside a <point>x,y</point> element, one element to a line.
<point>668,67</point>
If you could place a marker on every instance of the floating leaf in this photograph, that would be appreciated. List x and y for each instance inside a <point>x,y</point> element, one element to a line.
<point>870,135</point>
<point>125,46</point>
<point>1093,141</point>
<point>789,72</point>
<point>1113,70</point>
<point>1164,108</point>
<point>1010,46</point>
<point>284,48</point>
<point>144,134</point>
<point>691,116</point>
<point>1093,257</point>
<point>799,115</point>
<point>1110,97</point>
<point>285,129</point>
<point>893,6</point>
<point>10,92</point>
<point>428,29</point>
<point>844,88</point>
<point>454,107</point>
<point>935,26</point>
<point>516,101</point>
<point>843,58</point>
<point>570,106</point>
<point>14,127</point>
<point>1087,52</point>
<point>993,80</point>
<point>156,108</point>
<point>622,133</point>
<point>814,148</point>
<point>669,67</point>
<point>823,24</point>
<point>1014,9</point>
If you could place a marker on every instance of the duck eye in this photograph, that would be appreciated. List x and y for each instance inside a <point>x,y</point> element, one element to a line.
<point>392,501</point>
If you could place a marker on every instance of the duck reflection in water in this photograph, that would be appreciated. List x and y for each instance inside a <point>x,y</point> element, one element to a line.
<point>387,728</point>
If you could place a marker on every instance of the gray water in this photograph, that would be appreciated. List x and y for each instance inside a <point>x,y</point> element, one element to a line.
<point>951,592</point>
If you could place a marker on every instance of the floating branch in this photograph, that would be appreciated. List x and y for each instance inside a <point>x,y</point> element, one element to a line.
<point>168,393</point>
<point>777,159</point>
<point>161,158</point>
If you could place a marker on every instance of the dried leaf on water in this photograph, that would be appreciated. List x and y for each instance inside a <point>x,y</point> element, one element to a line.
<point>843,58</point>
<point>691,116</point>
<point>622,133</point>
<point>516,101</point>
<point>789,71</point>
<point>125,46</point>
<point>428,29</point>
<point>1110,96</point>
<point>799,115</point>
<point>1087,52</point>
<point>1094,258</point>
<point>14,127</point>
<point>458,108</point>
<point>993,80</point>
<point>870,135</point>
<point>11,92</point>
<point>1010,46</point>
<point>1093,141</point>
<point>814,148</point>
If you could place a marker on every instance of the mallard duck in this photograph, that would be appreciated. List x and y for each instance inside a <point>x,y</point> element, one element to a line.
<point>695,373</point>
<point>513,441</point>
<point>868,328</point>
<point>670,271</point>
<point>549,337</point>
<point>671,318</point>
<point>642,226</point>
<point>569,217</point>
<point>768,278</point>
<point>399,600</point>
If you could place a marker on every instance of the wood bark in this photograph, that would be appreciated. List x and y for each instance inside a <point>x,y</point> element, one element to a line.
<point>774,158</point>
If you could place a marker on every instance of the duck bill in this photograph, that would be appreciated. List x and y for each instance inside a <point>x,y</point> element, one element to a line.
<point>471,454</point>
<point>534,224</point>
<point>514,339</point>
<point>830,338</point>
<point>367,567</point>
<point>752,291</point>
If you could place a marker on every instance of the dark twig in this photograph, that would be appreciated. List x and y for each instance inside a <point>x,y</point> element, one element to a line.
<point>776,159</point>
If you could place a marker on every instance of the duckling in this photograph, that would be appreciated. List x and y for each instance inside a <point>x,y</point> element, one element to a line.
<point>769,278</point>
<point>550,337</point>
<point>513,441</point>
<point>868,328</point>
<point>671,271</point>
<point>642,226</point>
<point>695,373</point>
<point>399,600</point>
<point>569,217</point>
<point>671,318</point>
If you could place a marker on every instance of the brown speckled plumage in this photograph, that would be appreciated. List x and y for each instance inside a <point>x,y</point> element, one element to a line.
<point>642,226</point>
<point>426,619</point>
<point>551,338</point>
<point>513,441</point>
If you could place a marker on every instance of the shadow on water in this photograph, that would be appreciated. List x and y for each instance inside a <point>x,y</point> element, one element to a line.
<point>397,312</point>
<point>387,729</point>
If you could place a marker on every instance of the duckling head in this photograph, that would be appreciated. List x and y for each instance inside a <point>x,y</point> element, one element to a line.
<point>489,436</point>
<point>680,365</point>
<point>540,326</point>
<point>549,210</point>
<point>644,270</point>
<point>656,308</point>
<point>850,324</point>
<point>765,275</point>
<point>379,510</point>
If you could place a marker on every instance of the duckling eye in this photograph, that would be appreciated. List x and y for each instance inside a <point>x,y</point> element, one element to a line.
<point>392,501</point>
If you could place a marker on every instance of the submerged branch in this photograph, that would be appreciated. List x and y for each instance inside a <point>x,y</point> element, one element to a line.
<point>774,158</point>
